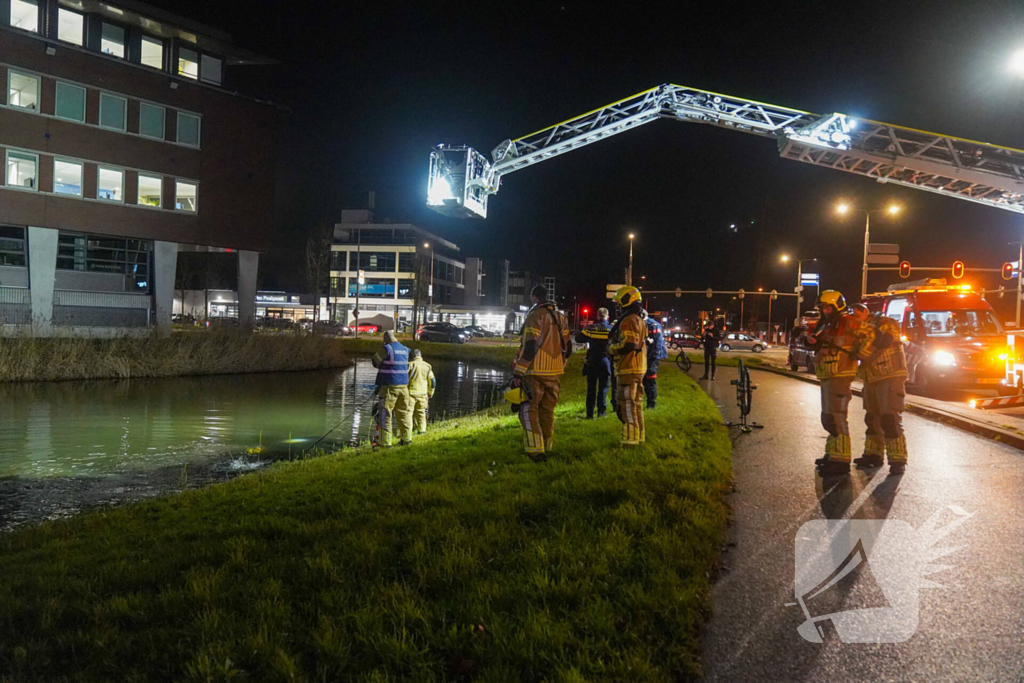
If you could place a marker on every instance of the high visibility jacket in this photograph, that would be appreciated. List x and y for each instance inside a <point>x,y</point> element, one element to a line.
<point>392,363</point>
<point>631,329</point>
<point>546,344</point>
<point>421,378</point>
<point>878,363</point>
<point>835,348</point>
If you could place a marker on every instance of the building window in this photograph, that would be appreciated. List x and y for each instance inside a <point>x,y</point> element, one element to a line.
<point>115,256</point>
<point>150,190</point>
<point>113,112</point>
<point>211,69</point>
<point>152,54</point>
<point>185,198</point>
<point>151,120</point>
<point>188,63</point>
<point>337,286</point>
<point>70,26</point>
<point>67,177</point>
<point>377,261</point>
<point>21,170</point>
<point>405,288</point>
<point>111,185</point>
<point>22,90</point>
<point>112,40</point>
<point>12,246</point>
<point>25,15</point>
<point>188,129</point>
<point>339,260</point>
<point>381,288</point>
<point>70,103</point>
<point>406,262</point>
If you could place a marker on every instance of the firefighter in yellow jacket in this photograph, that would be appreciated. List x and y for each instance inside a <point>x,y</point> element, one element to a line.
<point>421,390</point>
<point>836,366</point>
<point>629,358</point>
<point>539,365</point>
<point>884,371</point>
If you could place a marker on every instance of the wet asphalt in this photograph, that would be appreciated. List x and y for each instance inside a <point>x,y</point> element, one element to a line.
<point>971,630</point>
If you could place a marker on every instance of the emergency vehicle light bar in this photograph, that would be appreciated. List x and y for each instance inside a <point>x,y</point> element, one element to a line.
<point>461,179</point>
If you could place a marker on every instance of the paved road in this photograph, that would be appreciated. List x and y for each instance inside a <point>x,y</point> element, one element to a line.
<point>973,630</point>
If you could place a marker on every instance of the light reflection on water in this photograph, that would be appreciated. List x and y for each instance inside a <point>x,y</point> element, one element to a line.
<point>68,446</point>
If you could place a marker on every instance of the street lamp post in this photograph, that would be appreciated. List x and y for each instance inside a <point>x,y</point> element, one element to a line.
<point>799,279</point>
<point>430,287</point>
<point>629,271</point>
<point>842,210</point>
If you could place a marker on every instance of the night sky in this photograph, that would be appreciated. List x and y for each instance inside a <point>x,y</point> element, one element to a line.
<point>373,86</point>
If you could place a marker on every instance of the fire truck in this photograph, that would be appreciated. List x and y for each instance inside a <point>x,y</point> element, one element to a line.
<point>951,335</point>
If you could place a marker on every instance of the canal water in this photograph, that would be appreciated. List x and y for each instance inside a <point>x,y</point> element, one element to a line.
<point>70,446</point>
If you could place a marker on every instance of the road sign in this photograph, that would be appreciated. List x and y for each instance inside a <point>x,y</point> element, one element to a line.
<point>809,279</point>
<point>609,295</point>
<point>614,288</point>
<point>709,293</point>
<point>798,289</point>
<point>679,292</point>
<point>883,249</point>
<point>775,295</point>
<point>741,293</point>
<point>883,259</point>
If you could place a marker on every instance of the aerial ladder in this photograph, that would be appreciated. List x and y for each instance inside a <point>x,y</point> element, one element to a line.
<point>462,179</point>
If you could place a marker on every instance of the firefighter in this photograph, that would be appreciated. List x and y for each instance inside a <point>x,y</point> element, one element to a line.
<point>544,349</point>
<point>394,404</point>
<point>656,352</point>
<point>836,366</point>
<point>421,389</point>
<point>884,371</point>
<point>626,343</point>
<point>597,368</point>
<point>710,339</point>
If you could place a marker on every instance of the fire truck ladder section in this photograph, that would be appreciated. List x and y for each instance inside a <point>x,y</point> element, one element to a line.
<point>462,179</point>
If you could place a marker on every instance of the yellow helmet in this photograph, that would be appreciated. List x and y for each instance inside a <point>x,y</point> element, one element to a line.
<point>627,296</point>
<point>833,298</point>
<point>516,395</point>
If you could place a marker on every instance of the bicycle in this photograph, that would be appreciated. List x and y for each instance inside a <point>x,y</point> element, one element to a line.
<point>683,361</point>
<point>744,400</point>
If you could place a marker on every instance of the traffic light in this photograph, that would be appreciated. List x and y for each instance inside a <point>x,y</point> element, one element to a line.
<point>958,270</point>
<point>904,269</point>
<point>586,311</point>
<point>1007,271</point>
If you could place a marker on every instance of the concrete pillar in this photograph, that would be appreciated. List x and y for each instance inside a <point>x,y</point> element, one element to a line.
<point>165,266</point>
<point>42,268</point>
<point>248,265</point>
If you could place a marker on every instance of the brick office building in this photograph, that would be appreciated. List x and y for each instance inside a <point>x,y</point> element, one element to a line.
<point>121,147</point>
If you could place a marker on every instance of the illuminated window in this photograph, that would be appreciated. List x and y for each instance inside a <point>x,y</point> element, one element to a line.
<point>21,170</point>
<point>211,70</point>
<point>188,63</point>
<point>70,26</point>
<point>112,40</point>
<point>150,190</point>
<point>22,91</point>
<point>151,120</point>
<point>185,196</point>
<point>110,186</point>
<point>70,102</point>
<point>188,129</point>
<point>67,177</point>
<point>113,111</point>
<point>152,52</point>
<point>25,15</point>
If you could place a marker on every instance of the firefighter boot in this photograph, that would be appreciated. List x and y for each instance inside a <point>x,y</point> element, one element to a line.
<point>869,461</point>
<point>834,468</point>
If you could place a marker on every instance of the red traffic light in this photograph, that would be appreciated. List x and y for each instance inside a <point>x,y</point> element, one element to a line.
<point>958,270</point>
<point>1007,271</point>
<point>904,269</point>
<point>586,310</point>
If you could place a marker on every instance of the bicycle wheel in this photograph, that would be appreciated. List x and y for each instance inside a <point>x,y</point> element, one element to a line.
<point>683,361</point>
<point>743,390</point>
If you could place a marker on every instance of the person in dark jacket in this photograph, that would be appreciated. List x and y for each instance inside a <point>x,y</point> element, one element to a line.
<point>656,352</point>
<point>597,368</point>
<point>711,338</point>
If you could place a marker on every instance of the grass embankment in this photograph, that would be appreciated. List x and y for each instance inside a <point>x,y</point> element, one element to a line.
<point>720,361</point>
<point>455,559</point>
<point>183,354</point>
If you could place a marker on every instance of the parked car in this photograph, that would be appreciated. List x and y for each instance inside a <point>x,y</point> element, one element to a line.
<point>682,340</point>
<point>330,328</point>
<point>368,328</point>
<point>742,342</point>
<point>183,319</point>
<point>511,334</point>
<point>278,324</point>
<point>479,332</point>
<point>305,324</point>
<point>800,356</point>
<point>442,332</point>
<point>221,322</point>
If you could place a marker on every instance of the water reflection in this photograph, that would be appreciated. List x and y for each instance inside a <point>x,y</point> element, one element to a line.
<point>68,446</point>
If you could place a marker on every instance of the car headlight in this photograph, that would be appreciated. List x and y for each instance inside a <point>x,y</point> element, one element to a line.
<point>943,358</point>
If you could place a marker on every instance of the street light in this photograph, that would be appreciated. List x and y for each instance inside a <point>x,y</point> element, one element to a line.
<point>430,292</point>
<point>842,209</point>
<point>1016,66</point>
<point>799,279</point>
<point>629,271</point>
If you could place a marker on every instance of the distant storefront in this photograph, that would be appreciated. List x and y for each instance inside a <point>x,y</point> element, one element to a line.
<point>221,303</point>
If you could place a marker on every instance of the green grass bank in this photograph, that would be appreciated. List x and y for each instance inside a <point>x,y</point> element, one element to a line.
<point>454,559</point>
<point>203,352</point>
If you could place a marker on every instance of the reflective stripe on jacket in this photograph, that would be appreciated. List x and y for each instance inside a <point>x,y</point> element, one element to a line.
<point>392,363</point>
<point>832,361</point>
<point>878,364</point>
<point>540,328</point>
<point>596,338</point>
<point>421,378</point>
<point>632,330</point>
